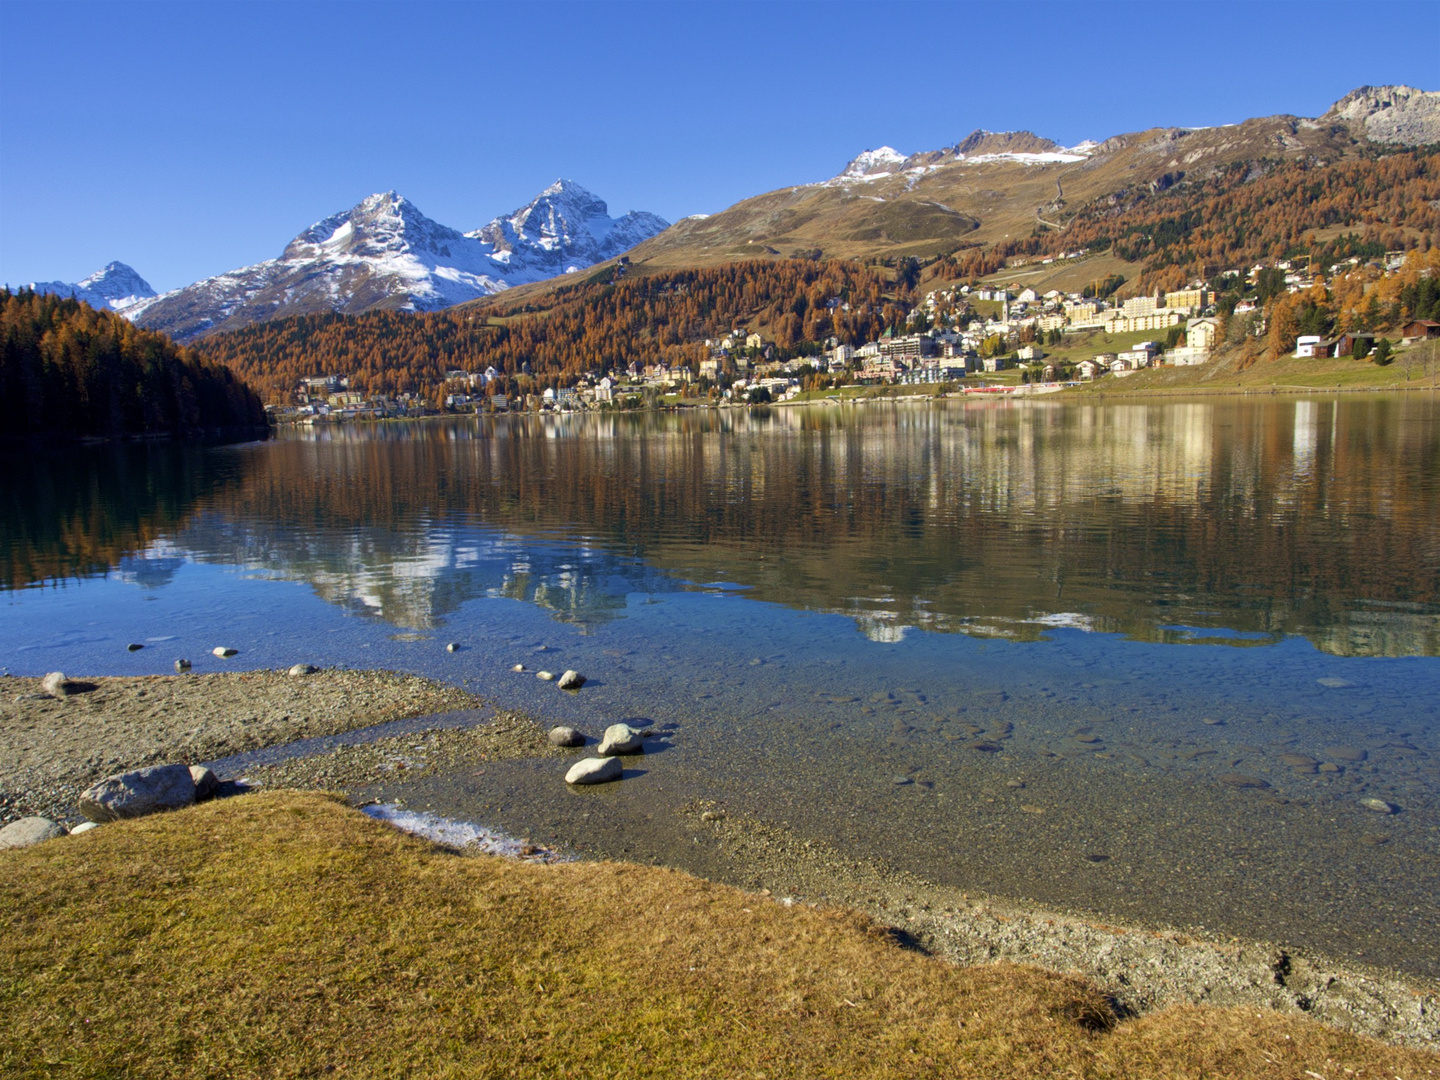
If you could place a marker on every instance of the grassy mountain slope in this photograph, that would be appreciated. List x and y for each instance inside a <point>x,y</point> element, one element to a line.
<point>980,203</point>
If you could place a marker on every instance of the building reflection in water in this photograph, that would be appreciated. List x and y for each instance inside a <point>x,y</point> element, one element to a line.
<point>1223,519</point>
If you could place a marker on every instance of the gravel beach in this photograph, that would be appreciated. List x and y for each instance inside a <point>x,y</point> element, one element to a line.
<point>52,748</point>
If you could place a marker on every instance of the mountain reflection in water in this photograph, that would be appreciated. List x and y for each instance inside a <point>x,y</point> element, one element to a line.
<point>1224,521</point>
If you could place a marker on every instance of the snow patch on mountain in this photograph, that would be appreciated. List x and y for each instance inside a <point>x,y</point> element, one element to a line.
<point>978,148</point>
<point>116,288</point>
<point>873,164</point>
<point>1052,157</point>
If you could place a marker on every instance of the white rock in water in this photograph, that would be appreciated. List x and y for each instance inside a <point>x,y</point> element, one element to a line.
<point>571,680</point>
<point>594,770</point>
<point>57,685</point>
<point>518,667</point>
<point>223,651</point>
<point>1380,806</point>
<point>454,646</point>
<point>135,794</point>
<point>83,827</point>
<point>303,669</point>
<point>566,736</point>
<point>28,831</point>
<point>206,782</point>
<point>544,676</point>
<point>182,664</point>
<point>620,739</point>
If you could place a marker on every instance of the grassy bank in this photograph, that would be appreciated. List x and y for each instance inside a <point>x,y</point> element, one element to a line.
<point>287,935</point>
<point>1285,375</point>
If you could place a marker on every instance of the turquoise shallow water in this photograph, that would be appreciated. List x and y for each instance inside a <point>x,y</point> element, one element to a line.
<point>1198,633</point>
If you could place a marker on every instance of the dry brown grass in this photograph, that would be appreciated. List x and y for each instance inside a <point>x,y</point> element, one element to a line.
<point>286,935</point>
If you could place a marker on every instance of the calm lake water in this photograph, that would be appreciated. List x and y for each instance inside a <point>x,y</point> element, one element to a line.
<point>1198,632</point>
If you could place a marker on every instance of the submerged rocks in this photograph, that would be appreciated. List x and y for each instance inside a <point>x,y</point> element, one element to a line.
<point>223,651</point>
<point>57,685</point>
<point>571,680</point>
<point>545,676</point>
<point>134,646</point>
<point>1379,806</point>
<point>28,831</point>
<point>566,736</point>
<point>135,794</point>
<point>594,770</point>
<point>1241,781</point>
<point>621,739</point>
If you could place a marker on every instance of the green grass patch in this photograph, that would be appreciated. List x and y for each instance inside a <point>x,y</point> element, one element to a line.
<point>286,935</point>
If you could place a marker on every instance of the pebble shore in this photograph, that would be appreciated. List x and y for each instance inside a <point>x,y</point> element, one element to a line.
<point>52,748</point>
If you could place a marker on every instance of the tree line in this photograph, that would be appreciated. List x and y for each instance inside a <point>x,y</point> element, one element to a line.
<point>70,371</point>
<point>599,324</point>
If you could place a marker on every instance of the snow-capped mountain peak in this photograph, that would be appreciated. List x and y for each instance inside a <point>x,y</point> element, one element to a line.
<point>384,253</point>
<point>117,288</point>
<point>564,228</point>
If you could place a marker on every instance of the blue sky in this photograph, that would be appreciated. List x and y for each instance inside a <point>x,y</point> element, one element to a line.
<point>192,138</point>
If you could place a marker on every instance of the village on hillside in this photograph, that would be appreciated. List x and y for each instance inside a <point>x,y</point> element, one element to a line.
<point>963,338</point>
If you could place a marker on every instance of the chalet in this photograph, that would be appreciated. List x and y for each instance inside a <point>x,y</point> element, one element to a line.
<point>1419,330</point>
<point>1088,369</point>
<point>1352,342</point>
<point>1308,346</point>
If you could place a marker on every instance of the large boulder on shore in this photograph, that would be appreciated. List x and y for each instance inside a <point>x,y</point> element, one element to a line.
<point>594,770</point>
<point>621,739</point>
<point>135,794</point>
<point>57,685</point>
<point>28,831</point>
<point>206,782</point>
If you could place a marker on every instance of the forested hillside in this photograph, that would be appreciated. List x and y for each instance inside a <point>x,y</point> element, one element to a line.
<point>1248,212</point>
<point>600,324</point>
<point>69,371</point>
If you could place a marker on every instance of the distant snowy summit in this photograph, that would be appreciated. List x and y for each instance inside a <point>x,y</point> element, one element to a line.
<point>564,229</point>
<point>116,288</point>
<point>384,253</point>
<point>980,146</point>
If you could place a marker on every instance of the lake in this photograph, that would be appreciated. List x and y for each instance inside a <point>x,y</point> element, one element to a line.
<point>1137,659</point>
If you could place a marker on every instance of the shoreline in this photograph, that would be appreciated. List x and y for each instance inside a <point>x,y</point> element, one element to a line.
<point>1141,967</point>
